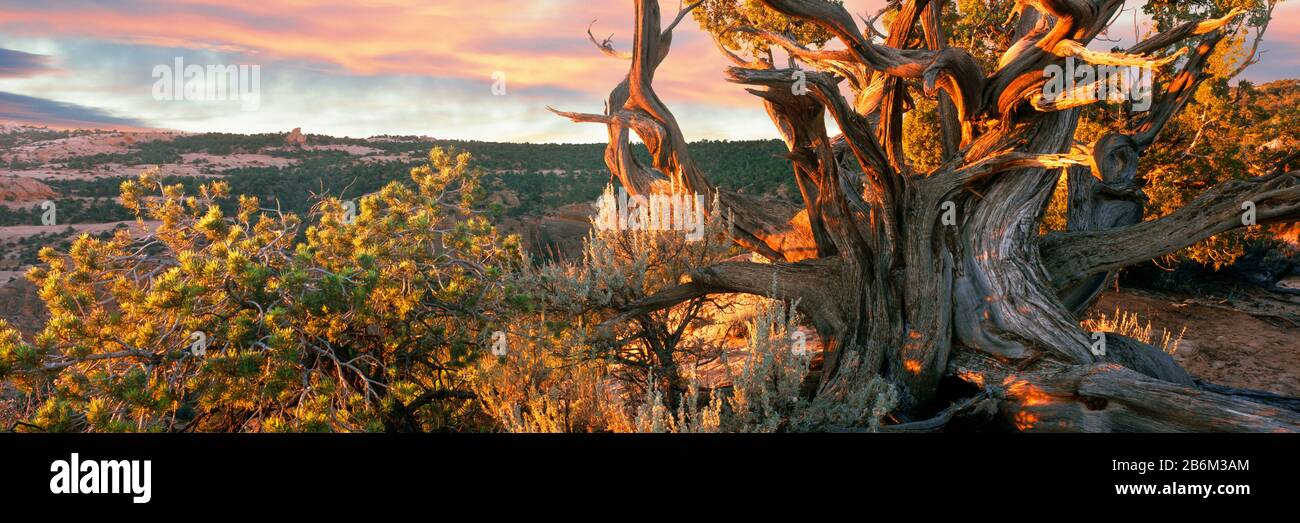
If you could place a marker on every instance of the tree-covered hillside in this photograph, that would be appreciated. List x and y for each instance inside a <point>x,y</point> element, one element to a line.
<point>545,176</point>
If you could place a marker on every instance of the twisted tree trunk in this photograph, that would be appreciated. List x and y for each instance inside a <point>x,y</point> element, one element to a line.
<point>943,276</point>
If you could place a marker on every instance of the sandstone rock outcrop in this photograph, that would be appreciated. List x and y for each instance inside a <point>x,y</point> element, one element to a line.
<point>296,138</point>
<point>14,189</point>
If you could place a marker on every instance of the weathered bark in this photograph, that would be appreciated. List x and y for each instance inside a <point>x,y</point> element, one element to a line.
<point>1108,397</point>
<point>941,275</point>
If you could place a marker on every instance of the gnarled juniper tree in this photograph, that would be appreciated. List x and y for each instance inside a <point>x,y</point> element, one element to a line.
<point>933,274</point>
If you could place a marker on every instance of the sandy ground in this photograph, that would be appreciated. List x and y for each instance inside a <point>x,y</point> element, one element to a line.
<point>33,203</point>
<point>12,234</point>
<point>51,153</point>
<point>107,170</point>
<point>17,232</point>
<point>1249,341</point>
<point>84,145</point>
<point>235,161</point>
<point>50,173</point>
<point>208,165</point>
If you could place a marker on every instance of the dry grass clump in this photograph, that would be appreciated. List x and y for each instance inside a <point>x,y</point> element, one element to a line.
<point>1128,324</point>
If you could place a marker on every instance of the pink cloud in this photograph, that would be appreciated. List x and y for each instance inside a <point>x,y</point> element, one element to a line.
<point>537,43</point>
<point>540,44</point>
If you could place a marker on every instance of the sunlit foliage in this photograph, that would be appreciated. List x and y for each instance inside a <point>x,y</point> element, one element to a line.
<point>364,320</point>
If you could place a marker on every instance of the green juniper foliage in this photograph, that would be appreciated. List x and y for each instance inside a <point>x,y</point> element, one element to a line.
<point>364,320</point>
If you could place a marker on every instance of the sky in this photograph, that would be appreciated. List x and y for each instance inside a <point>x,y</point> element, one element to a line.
<point>474,70</point>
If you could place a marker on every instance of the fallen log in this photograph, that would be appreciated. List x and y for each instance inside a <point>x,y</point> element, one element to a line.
<point>1109,397</point>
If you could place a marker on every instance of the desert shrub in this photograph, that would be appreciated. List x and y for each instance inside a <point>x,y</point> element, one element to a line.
<point>531,389</point>
<point>576,364</point>
<point>362,321</point>
<point>620,268</point>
